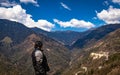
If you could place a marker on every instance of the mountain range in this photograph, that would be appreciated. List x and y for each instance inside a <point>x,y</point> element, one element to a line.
<point>16,45</point>
<point>68,52</point>
<point>72,39</point>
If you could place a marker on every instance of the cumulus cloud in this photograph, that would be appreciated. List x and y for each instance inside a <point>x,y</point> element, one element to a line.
<point>116,1</point>
<point>74,23</point>
<point>111,15</point>
<point>30,1</point>
<point>16,13</point>
<point>65,6</point>
<point>7,3</point>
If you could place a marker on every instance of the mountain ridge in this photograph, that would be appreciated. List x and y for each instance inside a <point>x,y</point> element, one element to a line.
<point>61,36</point>
<point>79,39</point>
<point>95,35</point>
<point>18,29</point>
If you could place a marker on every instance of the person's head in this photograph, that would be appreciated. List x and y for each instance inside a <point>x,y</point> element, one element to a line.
<point>38,45</point>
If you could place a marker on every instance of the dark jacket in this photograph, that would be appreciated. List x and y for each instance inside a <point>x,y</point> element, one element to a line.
<point>40,67</point>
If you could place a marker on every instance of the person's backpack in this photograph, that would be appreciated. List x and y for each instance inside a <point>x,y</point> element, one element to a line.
<point>45,64</point>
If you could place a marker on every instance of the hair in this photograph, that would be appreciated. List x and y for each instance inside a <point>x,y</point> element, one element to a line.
<point>38,44</point>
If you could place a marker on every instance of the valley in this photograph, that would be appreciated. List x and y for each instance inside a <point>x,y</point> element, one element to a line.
<point>68,52</point>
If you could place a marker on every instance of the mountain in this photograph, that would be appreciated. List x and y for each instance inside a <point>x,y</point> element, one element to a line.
<point>40,31</point>
<point>16,45</point>
<point>16,31</point>
<point>57,54</point>
<point>11,34</point>
<point>60,36</point>
<point>95,35</point>
<point>72,39</point>
<point>67,38</point>
<point>102,58</point>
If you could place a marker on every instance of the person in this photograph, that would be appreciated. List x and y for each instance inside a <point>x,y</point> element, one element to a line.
<point>39,60</point>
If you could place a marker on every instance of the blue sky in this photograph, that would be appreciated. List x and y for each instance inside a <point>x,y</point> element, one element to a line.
<point>52,15</point>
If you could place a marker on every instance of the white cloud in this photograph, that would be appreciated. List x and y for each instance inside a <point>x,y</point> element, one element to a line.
<point>30,1</point>
<point>7,3</point>
<point>65,6</point>
<point>111,15</point>
<point>44,24</point>
<point>106,3</point>
<point>116,1</point>
<point>74,23</point>
<point>16,13</point>
<point>94,18</point>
